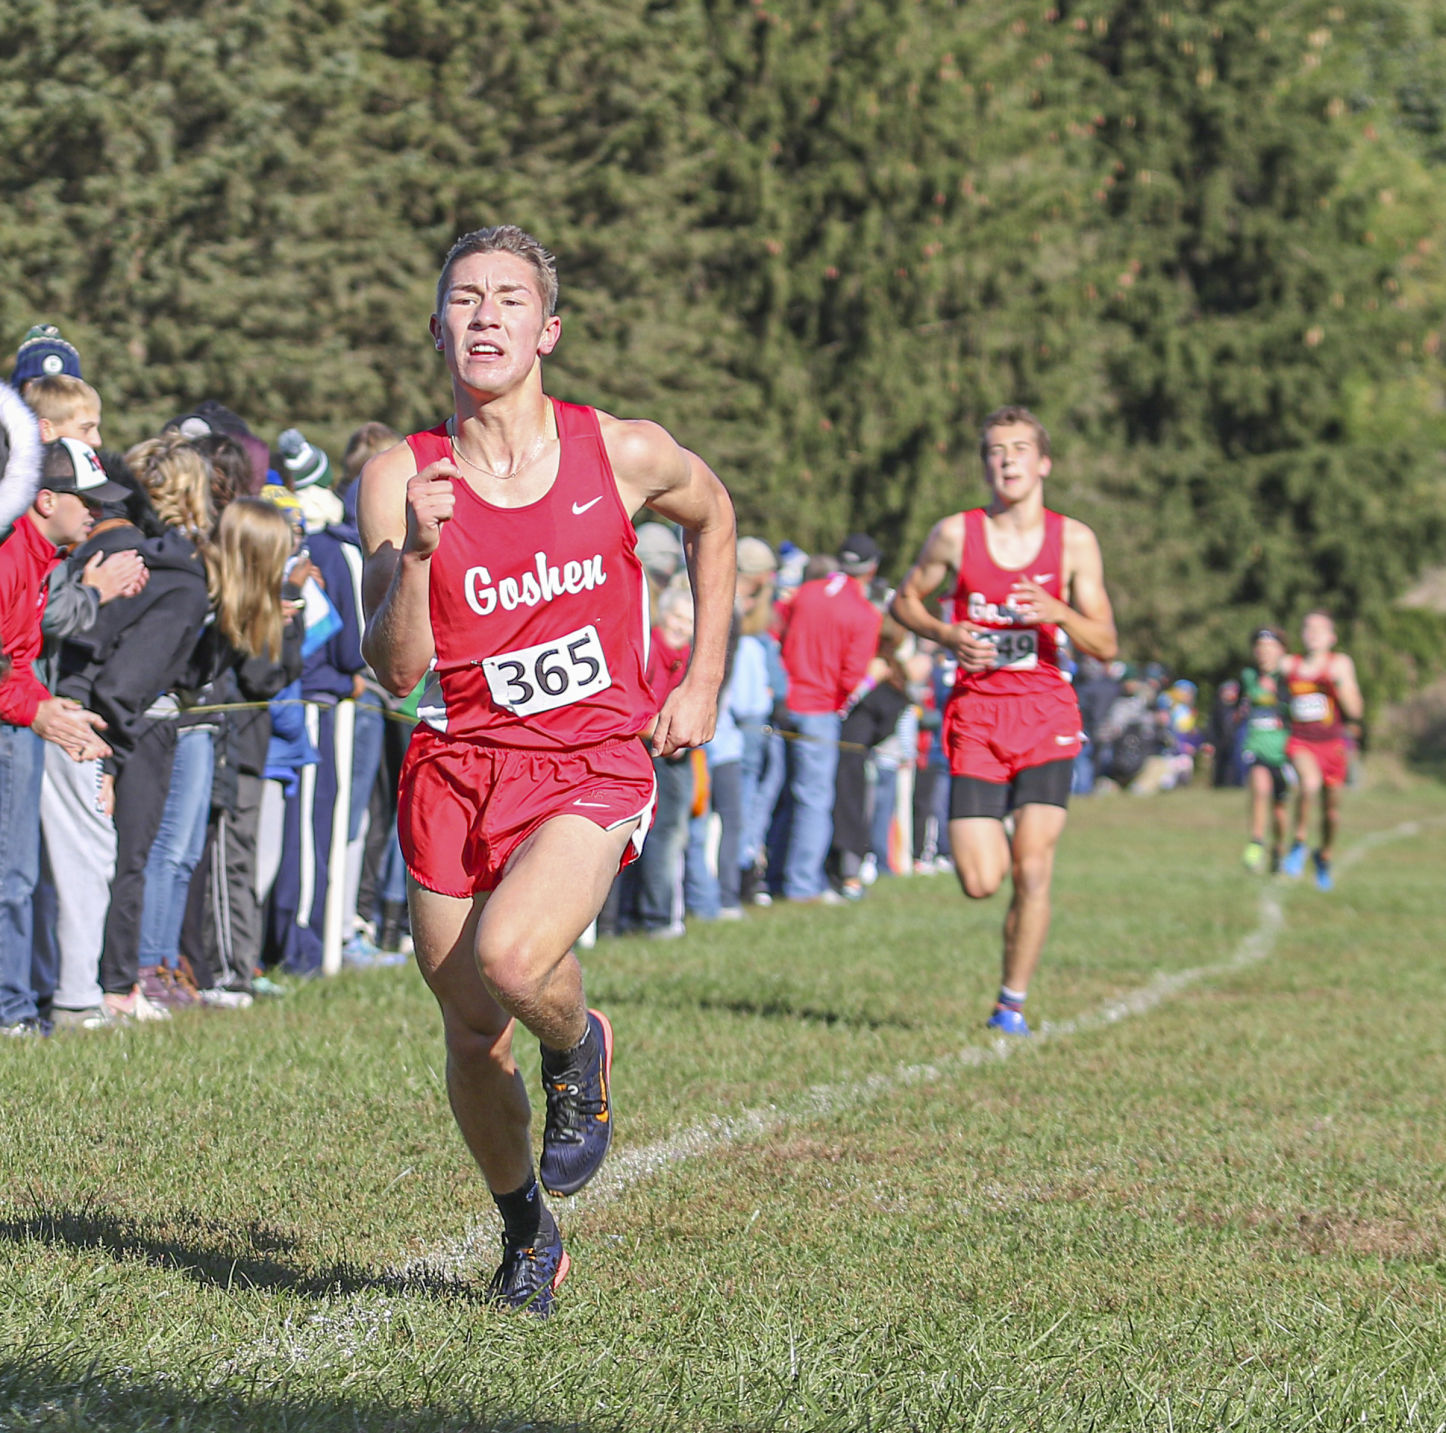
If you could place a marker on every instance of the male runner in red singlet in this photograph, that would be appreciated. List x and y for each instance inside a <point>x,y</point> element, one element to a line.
<point>1011,728</point>
<point>1325,701</point>
<point>500,559</point>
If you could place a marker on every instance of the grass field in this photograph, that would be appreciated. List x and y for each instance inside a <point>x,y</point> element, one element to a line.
<point>1211,1198</point>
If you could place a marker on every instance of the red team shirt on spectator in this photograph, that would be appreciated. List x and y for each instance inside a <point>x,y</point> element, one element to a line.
<point>26,560</point>
<point>831,633</point>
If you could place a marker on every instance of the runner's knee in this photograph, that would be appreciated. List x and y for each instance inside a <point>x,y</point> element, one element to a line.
<point>516,969</point>
<point>1032,873</point>
<point>978,884</point>
<point>473,1042</point>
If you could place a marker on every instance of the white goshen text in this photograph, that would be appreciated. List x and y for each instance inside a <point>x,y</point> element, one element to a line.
<point>531,588</point>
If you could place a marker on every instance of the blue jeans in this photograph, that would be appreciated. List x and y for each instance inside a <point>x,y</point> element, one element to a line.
<point>22,769</point>
<point>703,892</point>
<point>366,757</point>
<point>658,866</point>
<point>177,847</point>
<point>803,828</point>
<point>886,796</point>
<point>758,809</point>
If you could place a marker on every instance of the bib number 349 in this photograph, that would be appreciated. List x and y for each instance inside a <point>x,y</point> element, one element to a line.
<point>552,674</point>
<point>1018,648</point>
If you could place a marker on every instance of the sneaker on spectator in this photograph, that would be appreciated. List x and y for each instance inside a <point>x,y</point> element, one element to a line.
<point>360,951</point>
<point>133,1005</point>
<point>869,869</point>
<point>221,999</point>
<point>29,1028</point>
<point>852,890</point>
<point>95,1017</point>
<point>156,988</point>
<point>180,986</point>
<point>265,986</point>
<point>730,913</point>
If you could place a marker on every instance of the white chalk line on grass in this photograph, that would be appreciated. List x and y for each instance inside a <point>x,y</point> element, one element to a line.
<point>460,1256</point>
<point>336,1334</point>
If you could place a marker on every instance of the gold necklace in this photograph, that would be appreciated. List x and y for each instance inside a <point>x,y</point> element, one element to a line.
<point>513,471</point>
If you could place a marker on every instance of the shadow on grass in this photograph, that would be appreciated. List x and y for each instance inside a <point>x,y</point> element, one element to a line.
<point>220,1258</point>
<point>41,1394</point>
<point>780,1008</point>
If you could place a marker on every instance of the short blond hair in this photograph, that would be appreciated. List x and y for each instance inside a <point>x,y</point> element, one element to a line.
<point>59,397</point>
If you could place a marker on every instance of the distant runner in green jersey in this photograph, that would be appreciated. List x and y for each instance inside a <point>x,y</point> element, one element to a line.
<point>1266,699</point>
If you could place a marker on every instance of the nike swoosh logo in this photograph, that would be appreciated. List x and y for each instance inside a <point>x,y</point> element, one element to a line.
<point>579,508</point>
<point>1043,577</point>
<point>596,805</point>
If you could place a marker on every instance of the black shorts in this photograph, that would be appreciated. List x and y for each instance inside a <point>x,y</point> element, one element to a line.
<point>1279,781</point>
<point>1044,785</point>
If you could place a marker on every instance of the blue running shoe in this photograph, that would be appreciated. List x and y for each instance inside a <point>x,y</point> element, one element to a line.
<point>579,1125</point>
<point>1010,1022</point>
<point>1294,863</point>
<point>1323,877</point>
<point>529,1275</point>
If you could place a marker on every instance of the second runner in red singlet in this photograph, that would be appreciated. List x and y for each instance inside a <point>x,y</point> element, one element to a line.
<point>1023,712</point>
<point>1025,576</point>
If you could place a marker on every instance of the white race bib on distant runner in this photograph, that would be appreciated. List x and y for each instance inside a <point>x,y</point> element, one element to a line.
<point>1018,648</point>
<point>550,675</point>
<point>1310,706</point>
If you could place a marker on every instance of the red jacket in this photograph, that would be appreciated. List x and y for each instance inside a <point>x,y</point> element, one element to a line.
<point>832,634</point>
<point>667,666</point>
<point>26,561</point>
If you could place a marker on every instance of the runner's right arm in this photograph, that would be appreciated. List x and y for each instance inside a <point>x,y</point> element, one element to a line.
<point>400,513</point>
<point>942,552</point>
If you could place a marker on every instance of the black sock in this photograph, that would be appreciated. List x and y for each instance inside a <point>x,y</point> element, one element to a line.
<point>562,1062</point>
<point>526,1219</point>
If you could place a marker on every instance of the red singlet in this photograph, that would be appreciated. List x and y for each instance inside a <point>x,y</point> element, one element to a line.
<point>1022,713</point>
<point>539,617</point>
<point>1315,710</point>
<point>539,613</point>
<point>1315,722</point>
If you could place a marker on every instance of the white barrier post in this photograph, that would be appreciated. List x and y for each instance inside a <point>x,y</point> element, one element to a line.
<point>904,815</point>
<point>343,726</point>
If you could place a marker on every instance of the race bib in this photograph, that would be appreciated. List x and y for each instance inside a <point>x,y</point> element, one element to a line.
<point>1268,721</point>
<point>552,674</point>
<point>1310,706</point>
<point>1018,648</point>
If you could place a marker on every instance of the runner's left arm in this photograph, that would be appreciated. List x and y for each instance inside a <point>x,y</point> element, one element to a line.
<point>1087,618</point>
<point>653,470</point>
<point>1348,690</point>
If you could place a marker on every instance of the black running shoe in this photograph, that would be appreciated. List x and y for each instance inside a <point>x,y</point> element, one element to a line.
<point>579,1124</point>
<point>529,1275</point>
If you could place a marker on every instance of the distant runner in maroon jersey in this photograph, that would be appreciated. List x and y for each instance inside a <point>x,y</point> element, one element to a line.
<point>1325,706</point>
<point>1011,728</point>
<point>500,563</point>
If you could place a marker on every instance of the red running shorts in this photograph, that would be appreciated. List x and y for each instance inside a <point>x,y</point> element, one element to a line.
<point>464,808</point>
<point>1331,756</point>
<point>995,738</point>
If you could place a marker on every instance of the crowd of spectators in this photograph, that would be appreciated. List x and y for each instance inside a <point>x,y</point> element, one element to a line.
<point>182,621</point>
